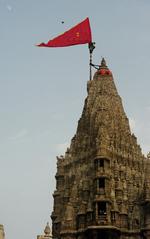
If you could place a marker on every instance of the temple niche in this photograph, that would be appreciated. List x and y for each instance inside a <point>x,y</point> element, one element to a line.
<point>103,180</point>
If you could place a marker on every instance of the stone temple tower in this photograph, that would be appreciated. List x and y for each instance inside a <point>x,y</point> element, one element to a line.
<point>103,181</point>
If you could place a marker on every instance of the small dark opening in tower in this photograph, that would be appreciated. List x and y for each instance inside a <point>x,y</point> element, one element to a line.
<point>102,234</point>
<point>101,163</point>
<point>101,182</point>
<point>101,208</point>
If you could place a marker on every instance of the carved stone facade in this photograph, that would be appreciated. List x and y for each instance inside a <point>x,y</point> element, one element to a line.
<point>2,234</point>
<point>103,181</point>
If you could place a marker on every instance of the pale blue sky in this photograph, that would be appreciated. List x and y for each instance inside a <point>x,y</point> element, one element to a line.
<point>42,92</point>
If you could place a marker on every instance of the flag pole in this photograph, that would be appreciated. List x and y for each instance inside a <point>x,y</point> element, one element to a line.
<point>91,48</point>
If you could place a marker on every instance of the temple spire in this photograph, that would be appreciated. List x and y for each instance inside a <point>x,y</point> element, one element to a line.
<point>47,229</point>
<point>47,233</point>
<point>100,180</point>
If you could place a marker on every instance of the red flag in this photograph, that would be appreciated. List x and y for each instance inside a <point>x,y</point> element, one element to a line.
<point>79,34</point>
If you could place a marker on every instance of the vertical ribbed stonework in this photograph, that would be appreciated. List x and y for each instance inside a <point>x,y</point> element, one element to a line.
<point>101,190</point>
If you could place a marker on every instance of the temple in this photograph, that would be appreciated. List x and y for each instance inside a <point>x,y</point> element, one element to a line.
<point>103,180</point>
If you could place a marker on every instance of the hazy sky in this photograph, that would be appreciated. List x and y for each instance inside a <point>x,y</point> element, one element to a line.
<point>42,92</point>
